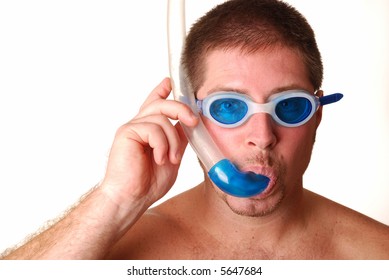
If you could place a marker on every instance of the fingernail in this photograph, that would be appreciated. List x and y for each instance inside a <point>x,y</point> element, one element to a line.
<point>194,118</point>
<point>178,156</point>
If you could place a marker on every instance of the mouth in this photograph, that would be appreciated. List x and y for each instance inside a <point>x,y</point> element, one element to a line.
<point>268,172</point>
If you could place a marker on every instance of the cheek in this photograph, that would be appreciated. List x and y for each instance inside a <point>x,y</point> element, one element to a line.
<point>297,149</point>
<point>223,137</point>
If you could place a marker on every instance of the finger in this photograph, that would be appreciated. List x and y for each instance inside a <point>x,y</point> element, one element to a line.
<point>156,103</point>
<point>174,136</point>
<point>171,109</point>
<point>161,91</point>
<point>150,135</point>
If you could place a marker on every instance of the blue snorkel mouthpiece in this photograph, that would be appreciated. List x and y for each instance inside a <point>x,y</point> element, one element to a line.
<point>229,179</point>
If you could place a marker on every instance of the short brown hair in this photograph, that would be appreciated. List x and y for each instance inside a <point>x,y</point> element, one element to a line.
<point>251,25</point>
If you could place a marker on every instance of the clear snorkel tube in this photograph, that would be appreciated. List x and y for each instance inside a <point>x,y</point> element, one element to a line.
<point>222,172</point>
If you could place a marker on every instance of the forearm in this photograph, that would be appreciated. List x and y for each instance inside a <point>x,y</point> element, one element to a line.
<point>87,232</point>
<point>143,163</point>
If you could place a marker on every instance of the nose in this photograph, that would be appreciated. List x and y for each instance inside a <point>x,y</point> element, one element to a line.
<point>260,131</point>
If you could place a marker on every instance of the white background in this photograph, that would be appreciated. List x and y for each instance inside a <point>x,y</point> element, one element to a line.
<point>71,72</point>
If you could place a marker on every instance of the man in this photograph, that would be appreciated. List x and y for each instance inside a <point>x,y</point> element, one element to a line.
<point>256,48</point>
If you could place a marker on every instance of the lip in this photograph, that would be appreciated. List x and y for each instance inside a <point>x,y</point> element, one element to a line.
<point>267,171</point>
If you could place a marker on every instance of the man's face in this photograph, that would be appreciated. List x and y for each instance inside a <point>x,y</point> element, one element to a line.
<point>261,145</point>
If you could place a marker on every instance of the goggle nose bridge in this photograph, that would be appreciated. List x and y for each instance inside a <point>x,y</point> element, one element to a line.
<point>254,108</point>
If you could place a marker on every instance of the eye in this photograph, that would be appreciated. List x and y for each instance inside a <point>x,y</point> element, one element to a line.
<point>293,110</point>
<point>228,110</point>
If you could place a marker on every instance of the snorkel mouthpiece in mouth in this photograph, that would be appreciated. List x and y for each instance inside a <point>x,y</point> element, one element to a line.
<point>229,179</point>
<point>221,171</point>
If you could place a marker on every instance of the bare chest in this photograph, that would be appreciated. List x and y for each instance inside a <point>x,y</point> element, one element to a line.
<point>204,247</point>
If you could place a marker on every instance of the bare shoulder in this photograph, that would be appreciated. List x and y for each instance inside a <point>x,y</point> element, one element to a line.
<point>355,236</point>
<point>158,233</point>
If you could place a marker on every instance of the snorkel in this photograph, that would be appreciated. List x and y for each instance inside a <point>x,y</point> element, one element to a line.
<point>223,173</point>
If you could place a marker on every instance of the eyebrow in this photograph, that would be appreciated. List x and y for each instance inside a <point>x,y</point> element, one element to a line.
<point>224,88</point>
<point>289,87</point>
<point>246,91</point>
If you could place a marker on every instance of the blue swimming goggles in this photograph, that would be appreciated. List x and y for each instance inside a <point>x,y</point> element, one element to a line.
<point>289,108</point>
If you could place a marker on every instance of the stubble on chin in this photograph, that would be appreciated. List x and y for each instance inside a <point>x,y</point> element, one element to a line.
<point>251,207</point>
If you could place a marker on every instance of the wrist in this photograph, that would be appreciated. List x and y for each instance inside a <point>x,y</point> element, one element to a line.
<point>124,211</point>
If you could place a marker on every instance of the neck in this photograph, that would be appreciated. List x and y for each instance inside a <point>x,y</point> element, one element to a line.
<point>228,227</point>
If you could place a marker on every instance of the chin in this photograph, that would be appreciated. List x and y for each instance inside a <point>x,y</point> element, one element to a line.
<point>255,206</point>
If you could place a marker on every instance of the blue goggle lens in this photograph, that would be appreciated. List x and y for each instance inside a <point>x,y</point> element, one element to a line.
<point>293,110</point>
<point>228,110</point>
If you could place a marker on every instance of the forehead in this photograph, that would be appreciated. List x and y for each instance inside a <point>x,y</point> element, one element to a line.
<point>257,73</point>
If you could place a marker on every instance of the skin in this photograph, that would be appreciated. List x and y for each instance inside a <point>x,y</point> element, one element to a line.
<point>115,221</point>
<point>287,221</point>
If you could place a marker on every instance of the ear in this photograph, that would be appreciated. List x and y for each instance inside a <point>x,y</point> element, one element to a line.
<point>319,112</point>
